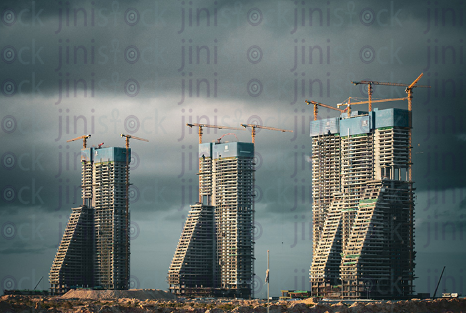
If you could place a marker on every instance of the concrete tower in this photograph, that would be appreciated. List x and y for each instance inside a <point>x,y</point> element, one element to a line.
<point>111,262</point>
<point>104,214</point>
<point>361,204</point>
<point>232,188</point>
<point>226,184</point>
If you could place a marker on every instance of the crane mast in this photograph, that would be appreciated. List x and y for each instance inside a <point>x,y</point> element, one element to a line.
<point>409,88</point>
<point>84,138</point>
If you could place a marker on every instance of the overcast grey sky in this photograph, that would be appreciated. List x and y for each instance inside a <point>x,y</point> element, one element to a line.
<point>148,67</point>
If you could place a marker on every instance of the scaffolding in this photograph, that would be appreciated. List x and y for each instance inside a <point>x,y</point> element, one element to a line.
<point>360,187</point>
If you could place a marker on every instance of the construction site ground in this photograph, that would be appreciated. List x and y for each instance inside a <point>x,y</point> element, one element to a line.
<point>139,294</point>
<point>15,303</point>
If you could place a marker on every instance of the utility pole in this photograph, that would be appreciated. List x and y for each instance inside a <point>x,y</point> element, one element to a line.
<point>267,280</point>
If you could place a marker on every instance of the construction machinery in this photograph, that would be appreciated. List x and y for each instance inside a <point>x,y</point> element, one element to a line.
<point>409,89</point>
<point>348,108</point>
<point>254,126</point>
<point>84,138</point>
<point>348,102</point>
<point>200,126</point>
<point>127,138</point>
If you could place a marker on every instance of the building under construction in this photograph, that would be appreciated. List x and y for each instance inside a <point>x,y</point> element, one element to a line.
<point>215,253</point>
<point>362,205</point>
<point>94,250</point>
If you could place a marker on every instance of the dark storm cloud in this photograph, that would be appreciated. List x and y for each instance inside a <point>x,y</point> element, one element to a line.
<point>160,46</point>
<point>103,50</point>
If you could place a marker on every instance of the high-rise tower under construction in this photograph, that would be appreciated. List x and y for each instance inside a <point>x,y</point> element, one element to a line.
<point>215,253</point>
<point>94,250</point>
<point>362,205</point>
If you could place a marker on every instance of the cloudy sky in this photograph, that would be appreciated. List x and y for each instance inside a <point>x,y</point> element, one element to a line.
<point>147,68</point>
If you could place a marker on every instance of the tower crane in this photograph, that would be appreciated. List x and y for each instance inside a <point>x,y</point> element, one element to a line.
<point>348,108</point>
<point>127,138</point>
<point>348,102</point>
<point>409,89</point>
<point>200,126</point>
<point>84,138</point>
<point>254,126</point>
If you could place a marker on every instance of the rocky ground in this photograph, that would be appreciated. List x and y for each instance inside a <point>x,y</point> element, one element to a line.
<point>139,294</point>
<point>123,305</point>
